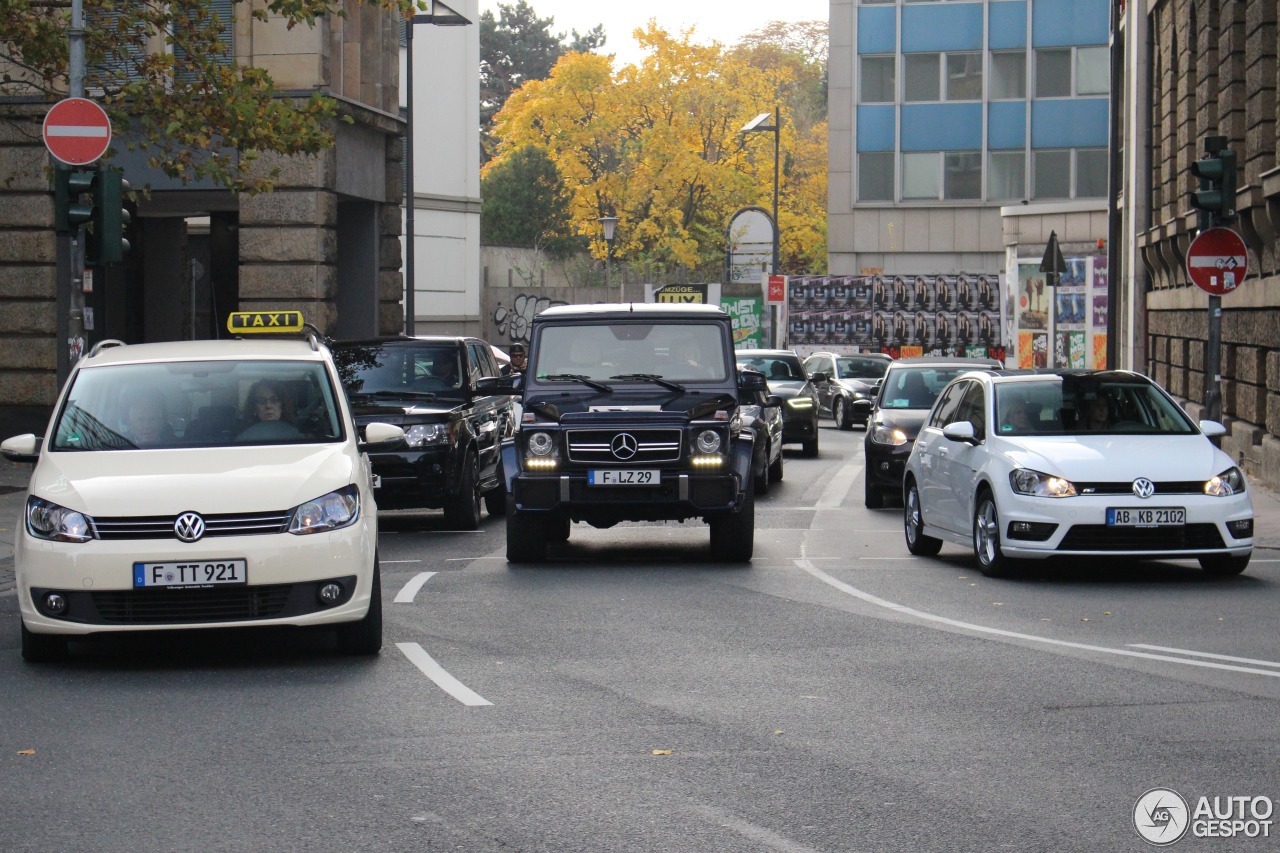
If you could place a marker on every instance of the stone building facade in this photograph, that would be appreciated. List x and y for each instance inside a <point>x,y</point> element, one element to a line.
<point>326,241</point>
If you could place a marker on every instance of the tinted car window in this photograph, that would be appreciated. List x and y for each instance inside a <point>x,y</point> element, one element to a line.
<point>775,366</point>
<point>972,409</point>
<point>944,411</point>
<point>916,387</point>
<point>674,351</point>
<point>429,368</point>
<point>853,367</point>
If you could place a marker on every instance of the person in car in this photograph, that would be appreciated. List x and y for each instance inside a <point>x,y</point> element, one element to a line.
<point>144,421</point>
<point>268,413</point>
<point>519,358</point>
<point>1096,415</point>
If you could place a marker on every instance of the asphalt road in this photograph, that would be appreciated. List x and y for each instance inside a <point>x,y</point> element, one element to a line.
<point>631,695</point>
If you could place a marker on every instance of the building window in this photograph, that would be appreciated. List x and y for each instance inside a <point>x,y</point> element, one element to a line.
<point>922,72</point>
<point>1053,73</point>
<point>1093,70</point>
<point>1091,173</point>
<point>877,80</point>
<point>1051,171</point>
<point>1008,74</point>
<point>962,175</point>
<point>964,76</point>
<point>920,178</point>
<point>875,176</point>
<point>1006,175</point>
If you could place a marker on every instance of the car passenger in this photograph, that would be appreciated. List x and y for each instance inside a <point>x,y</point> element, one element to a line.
<point>1095,416</point>
<point>268,413</point>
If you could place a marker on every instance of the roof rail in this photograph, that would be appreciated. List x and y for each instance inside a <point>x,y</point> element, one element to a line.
<point>101,345</point>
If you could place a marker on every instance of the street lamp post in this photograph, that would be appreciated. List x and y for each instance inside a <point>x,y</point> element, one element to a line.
<point>445,18</point>
<point>760,124</point>
<point>610,225</point>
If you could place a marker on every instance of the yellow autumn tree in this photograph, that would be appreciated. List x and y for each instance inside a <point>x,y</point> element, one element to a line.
<point>659,145</point>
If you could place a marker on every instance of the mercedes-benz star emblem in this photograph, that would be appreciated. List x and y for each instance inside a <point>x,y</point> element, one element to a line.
<point>189,527</point>
<point>624,446</point>
<point>1144,488</point>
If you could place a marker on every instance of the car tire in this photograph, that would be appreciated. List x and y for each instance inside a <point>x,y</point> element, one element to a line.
<point>733,533</point>
<point>840,412</point>
<point>761,477</point>
<point>873,497</point>
<point>364,637</point>
<point>43,648</point>
<point>775,470</point>
<point>558,530</point>
<point>462,511</point>
<point>1224,565</point>
<point>526,538</point>
<point>986,538</point>
<point>810,448</point>
<point>913,524</point>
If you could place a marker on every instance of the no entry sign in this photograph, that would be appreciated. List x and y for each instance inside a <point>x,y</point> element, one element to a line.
<point>77,131</point>
<point>1217,261</point>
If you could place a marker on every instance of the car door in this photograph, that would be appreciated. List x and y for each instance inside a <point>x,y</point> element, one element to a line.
<point>958,467</point>
<point>489,415</point>
<point>822,364</point>
<point>932,449</point>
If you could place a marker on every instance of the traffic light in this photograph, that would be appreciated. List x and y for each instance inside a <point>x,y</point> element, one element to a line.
<point>107,244</point>
<point>1216,198</point>
<point>70,211</point>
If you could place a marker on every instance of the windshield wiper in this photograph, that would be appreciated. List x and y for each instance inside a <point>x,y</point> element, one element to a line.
<point>384,395</point>
<point>578,377</point>
<point>650,377</point>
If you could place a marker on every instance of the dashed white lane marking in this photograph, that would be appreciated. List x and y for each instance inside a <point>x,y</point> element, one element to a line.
<point>1205,655</point>
<point>409,590</point>
<point>834,494</point>
<point>418,657</point>
<point>754,832</point>
<point>395,562</point>
<point>807,566</point>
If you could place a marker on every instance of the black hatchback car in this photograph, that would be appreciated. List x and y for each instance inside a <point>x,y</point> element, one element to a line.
<point>897,410</point>
<point>426,385</point>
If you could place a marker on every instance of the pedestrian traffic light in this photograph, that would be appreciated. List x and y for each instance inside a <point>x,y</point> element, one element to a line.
<point>107,244</point>
<point>70,210</point>
<point>1216,197</point>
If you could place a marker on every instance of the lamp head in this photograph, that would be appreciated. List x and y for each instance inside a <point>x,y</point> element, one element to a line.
<point>608,223</point>
<point>758,123</point>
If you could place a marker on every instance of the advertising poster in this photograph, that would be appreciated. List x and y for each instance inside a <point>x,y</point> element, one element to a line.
<point>747,313</point>
<point>1075,312</point>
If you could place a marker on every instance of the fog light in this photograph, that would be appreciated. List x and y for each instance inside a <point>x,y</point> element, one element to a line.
<point>1031,531</point>
<point>1241,528</point>
<point>330,593</point>
<point>55,604</point>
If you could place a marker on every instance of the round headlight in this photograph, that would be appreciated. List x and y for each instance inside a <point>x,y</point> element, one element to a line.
<point>708,441</point>
<point>540,444</point>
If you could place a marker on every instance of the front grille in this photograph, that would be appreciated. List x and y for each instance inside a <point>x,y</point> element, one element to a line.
<point>581,493</point>
<point>1100,537</point>
<point>1174,487</point>
<point>161,526</point>
<point>589,446</point>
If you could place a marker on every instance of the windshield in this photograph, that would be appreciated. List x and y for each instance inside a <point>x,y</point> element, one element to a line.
<point>413,371</point>
<point>198,404</point>
<point>916,387</point>
<point>861,368</point>
<point>774,367</point>
<point>634,351</point>
<point>1084,405</point>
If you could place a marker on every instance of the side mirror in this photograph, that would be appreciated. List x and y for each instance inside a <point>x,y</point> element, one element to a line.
<point>1211,429</point>
<point>818,377</point>
<point>491,385</point>
<point>773,400</point>
<point>861,407</point>
<point>751,381</point>
<point>25,448</point>
<point>960,431</point>
<point>378,436</point>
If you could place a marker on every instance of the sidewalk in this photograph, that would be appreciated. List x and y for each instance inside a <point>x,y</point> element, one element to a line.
<point>13,494</point>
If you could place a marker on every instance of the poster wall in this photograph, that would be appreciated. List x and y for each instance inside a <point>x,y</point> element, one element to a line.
<point>960,315</point>
<point>747,313</point>
<point>1064,326</point>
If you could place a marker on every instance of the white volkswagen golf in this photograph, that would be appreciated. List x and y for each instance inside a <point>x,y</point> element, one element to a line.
<point>1021,465</point>
<point>199,484</point>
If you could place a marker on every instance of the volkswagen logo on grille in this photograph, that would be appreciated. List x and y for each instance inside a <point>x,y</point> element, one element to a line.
<point>189,527</point>
<point>624,446</point>
<point>1144,488</point>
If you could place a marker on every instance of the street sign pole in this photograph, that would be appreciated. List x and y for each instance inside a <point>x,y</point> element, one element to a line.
<point>1053,265</point>
<point>69,246</point>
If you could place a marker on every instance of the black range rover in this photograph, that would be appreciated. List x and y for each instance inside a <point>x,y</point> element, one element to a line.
<point>630,414</point>
<point>426,385</point>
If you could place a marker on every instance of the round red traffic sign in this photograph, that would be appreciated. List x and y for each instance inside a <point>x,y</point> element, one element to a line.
<point>1217,261</point>
<point>77,131</point>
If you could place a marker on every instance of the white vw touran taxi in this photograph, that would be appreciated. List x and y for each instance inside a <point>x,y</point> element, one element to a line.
<point>200,484</point>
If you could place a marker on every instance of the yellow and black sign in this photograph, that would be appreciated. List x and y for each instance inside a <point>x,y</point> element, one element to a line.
<point>682,293</point>
<point>252,322</point>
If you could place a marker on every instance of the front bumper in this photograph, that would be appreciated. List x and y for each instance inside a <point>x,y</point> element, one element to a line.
<point>414,479</point>
<point>678,495</point>
<point>799,426</point>
<point>886,465</point>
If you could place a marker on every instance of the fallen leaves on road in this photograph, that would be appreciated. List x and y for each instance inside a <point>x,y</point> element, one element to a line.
<point>26,752</point>
<point>660,752</point>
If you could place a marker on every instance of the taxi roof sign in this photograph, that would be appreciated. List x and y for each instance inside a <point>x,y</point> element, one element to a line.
<point>270,322</point>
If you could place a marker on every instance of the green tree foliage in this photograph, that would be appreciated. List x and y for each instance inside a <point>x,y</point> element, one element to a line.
<point>517,46</point>
<point>526,204</point>
<point>164,72</point>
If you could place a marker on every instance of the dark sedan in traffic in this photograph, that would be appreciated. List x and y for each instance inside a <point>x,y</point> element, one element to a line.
<point>786,377</point>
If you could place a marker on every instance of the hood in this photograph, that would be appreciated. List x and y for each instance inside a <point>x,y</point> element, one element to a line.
<point>166,482</point>
<point>396,410</point>
<point>788,388</point>
<point>907,420</point>
<point>1116,458</point>
<point>647,404</point>
<point>862,386</point>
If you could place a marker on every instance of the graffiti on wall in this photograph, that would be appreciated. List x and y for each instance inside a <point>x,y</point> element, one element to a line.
<point>513,323</point>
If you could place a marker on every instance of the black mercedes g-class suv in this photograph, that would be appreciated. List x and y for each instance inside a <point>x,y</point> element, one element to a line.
<point>630,414</point>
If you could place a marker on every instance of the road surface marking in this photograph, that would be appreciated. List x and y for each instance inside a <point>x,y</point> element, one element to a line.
<point>1204,655</point>
<point>754,832</point>
<point>807,566</point>
<point>834,494</point>
<point>418,657</point>
<point>393,562</point>
<point>409,590</point>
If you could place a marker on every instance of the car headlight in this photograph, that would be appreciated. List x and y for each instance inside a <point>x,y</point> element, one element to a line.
<point>708,441</point>
<point>800,402</point>
<point>47,520</point>
<point>425,435</point>
<point>327,512</point>
<point>888,435</point>
<point>1027,482</point>
<point>541,444</point>
<point>1229,482</point>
